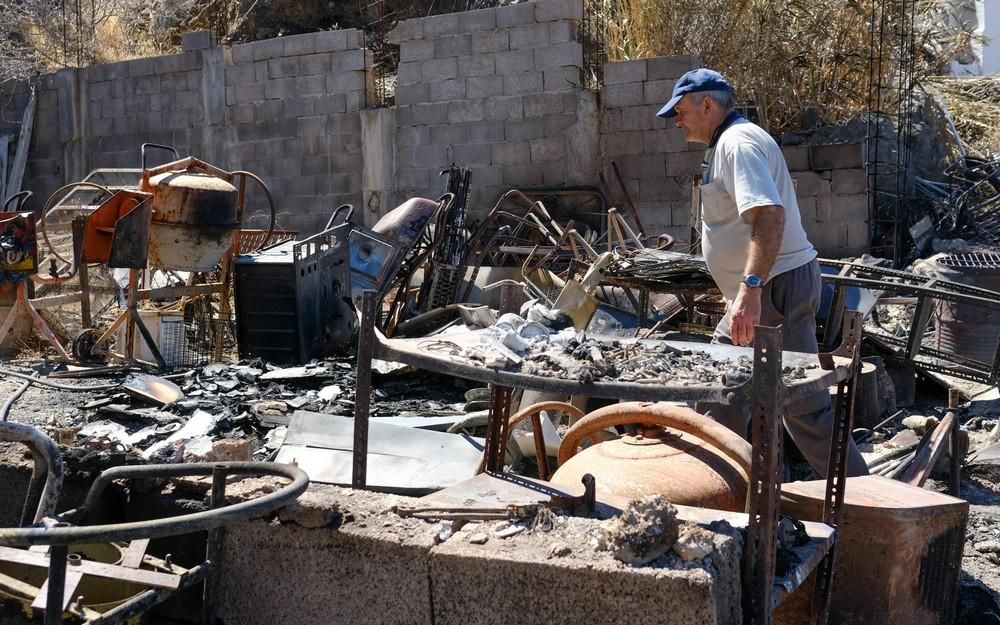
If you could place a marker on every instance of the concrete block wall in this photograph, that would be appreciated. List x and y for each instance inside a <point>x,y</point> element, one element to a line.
<point>45,168</point>
<point>497,90</point>
<point>654,159</point>
<point>831,184</point>
<point>292,117</point>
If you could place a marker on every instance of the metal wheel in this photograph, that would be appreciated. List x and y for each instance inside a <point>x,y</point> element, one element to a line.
<point>83,347</point>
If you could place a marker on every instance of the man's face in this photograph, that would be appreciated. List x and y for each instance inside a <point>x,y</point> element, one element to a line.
<point>695,117</point>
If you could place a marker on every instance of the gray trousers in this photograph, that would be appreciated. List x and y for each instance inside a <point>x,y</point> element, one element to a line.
<point>791,300</point>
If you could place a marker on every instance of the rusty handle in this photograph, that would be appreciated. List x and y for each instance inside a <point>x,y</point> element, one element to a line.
<point>532,412</point>
<point>188,162</point>
<point>676,417</point>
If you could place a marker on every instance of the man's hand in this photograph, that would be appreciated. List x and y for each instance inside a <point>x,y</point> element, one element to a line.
<point>744,315</point>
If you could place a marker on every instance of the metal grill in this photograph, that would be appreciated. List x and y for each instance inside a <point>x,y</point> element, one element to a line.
<point>385,56</point>
<point>197,341</point>
<point>971,261</point>
<point>594,34</point>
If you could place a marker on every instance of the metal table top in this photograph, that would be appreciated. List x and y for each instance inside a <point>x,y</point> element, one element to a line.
<point>425,353</point>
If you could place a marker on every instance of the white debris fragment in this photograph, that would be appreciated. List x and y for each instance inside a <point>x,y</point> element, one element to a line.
<point>330,393</point>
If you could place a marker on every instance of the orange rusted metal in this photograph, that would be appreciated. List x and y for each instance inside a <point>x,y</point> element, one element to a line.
<point>678,453</point>
<point>100,228</point>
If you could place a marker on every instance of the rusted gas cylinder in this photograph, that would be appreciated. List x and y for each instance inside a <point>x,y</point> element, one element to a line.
<point>677,453</point>
<point>962,328</point>
<point>194,216</point>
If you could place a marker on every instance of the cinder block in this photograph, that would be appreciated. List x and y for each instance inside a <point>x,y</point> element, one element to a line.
<point>333,40</point>
<point>515,15</point>
<point>477,64</point>
<point>807,209</point>
<point>811,183</point>
<point>296,45</point>
<point>562,79</point>
<point>661,141</point>
<point>478,154</point>
<point>345,82</point>
<point>551,10</point>
<point>554,173</point>
<point>357,100</point>
<point>839,156</point>
<point>524,130</point>
<point>796,157</point>
<point>98,91</point>
<point>297,107</point>
<point>235,74</point>
<point>277,89</point>
<point>622,72</point>
<point>611,121</point>
<point>405,31</point>
<point>283,67</point>
<point>511,152</point>
<point>515,61</point>
<point>268,49</point>
<point>680,211</point>
<point>312,64</point>
<point>439,69</point>
<point>522,175</point>
<point>483,86</point>
<point>687,163</point>
<point>349,60</point>
<point>452,45</point>
<point>146,85</point>
<point>529,36</point>
<point>475,21</point>
<point>491,41</point>
<point>558,123</point>
<point>436,113</point>
<point>670,67</point>
<point>663,189</point>
<point>483,132</point>
<point>544,150</point>
<point>197,40</point>
<point>330,104</point>
<point>622,143</point>
<point>413,136</point>
<point>624,94</point>
<point>413,94</point>
<point>503,108</point>
<point>260,71</point>
<point>416,50</point>
<point>522,83</point>
<point>187,99</point>
<point>439,25</point>
<point>851,208</point>
<point>564,30</point>
<point>569,54</point>
<point>410,73</point>
<point>643,118</point>
<point>466,111</point>
<point>310,85</point>
<point>487,177</point>
<point>447,134</point>
<point>849,181</point>
<point>657,91</point>
<point>538,104</point>
<point>266,110</point>
<point>452,89</point>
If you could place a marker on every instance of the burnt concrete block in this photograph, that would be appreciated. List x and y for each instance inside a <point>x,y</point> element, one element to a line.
<point>410,73</point>
<point>623,143</point>
<point>665,140</point>
<point>453,89</point>
<point>439,25</point>
<point>524,129</point>
<point>296,45</point>
<point>670,67</point>
<point>491,41</point>
<point>297,107</point>
<point>477,65</point>
<point>466,111</point>
<point>475,154</point>
<point>475,21</point>
<point>569,54</point>
<point>523,83</point>
<point>439,69</point>
<point>345,82</point>
<point>515,61</point>
<point>643,118</point>
<point>621,72</point>
<point>412,94</point>
<point>563,30</point>
<point>311,64</point>
<point>625,94</point>
<point>268,49</point>
<point>516,15</point>
<point>276,89</point>
<point>838,156</point>
<point>664,189</point>
<point>562,79</point>
<point>416,50</point>
<point>511,152</point>
<point>553,10</point>
<point>810,183</point>
<point>406,30</point>
<point>538,104</point>
<point>482,86</point>
<point>310,85</point>
<point>558,123</point>
<point>349,60</point>
<point>529,36</point>
<point>657,91</point>
<point>505,107</point>
<point>452,45</point>
<point>197,40</point>
<point>796,158</point>
<point>849,181</point>
<point>551,149</point>
<point>522,175</point>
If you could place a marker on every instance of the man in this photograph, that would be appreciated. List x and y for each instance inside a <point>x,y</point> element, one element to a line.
<point>756,249</point>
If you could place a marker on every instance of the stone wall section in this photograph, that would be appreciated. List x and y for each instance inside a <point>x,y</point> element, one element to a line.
<point>496,90</point>
<point>45,168</point>
<point>292,117</point>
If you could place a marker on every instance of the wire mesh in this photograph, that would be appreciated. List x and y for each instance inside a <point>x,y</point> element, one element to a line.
<point>196,340</point>
<point>594,35</point>
<point>384,60</point>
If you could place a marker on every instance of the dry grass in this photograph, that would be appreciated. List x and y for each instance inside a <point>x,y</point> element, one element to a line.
<point>798,61</point>
<point>974,105</point>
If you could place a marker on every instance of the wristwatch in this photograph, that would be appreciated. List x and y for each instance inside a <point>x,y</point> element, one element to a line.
<point>753,281</point>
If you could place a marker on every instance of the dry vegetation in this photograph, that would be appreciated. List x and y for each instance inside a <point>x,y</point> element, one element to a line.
<point>974,105</point>
<point>797,61</point>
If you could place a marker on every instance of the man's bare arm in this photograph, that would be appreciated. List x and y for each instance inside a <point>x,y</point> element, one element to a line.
<point>768,223</point>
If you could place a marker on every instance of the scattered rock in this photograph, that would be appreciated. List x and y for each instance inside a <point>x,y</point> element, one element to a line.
<point>230,450</point>
<point>559,550</point>
<point>694,543</point>
<point>329,393</point>
<point>513,530</point>
<point>989,546</point>
<point>920,423</point>
<point>646,530</point>
<point>478,538</point>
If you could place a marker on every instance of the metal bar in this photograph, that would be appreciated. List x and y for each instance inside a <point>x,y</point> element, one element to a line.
<point>363,387</point>
<point>210,592</point>
<point>628,197</point>
<point>955,466</point>
<point>929,451</point>
<point>765,479</point>
<point>917,327</point>
<point>56,584</point>
<point>42,446</point>
<point>72,580</point>
<point>539,435</point>
<point>146,336</point>
<point>496,429</point>
<point>83,272</point>
<point>143,602</point>
<point>135,553</point>
<point>177,292</point>
<point>87,567</point>
<point>57,300</point>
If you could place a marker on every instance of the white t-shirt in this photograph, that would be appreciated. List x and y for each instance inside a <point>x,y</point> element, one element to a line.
<point>746,169</point>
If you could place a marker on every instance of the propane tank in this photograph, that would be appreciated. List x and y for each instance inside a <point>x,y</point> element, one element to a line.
<point>676,452</point>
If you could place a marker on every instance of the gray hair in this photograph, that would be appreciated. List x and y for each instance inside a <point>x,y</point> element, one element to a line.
<point>722,98</point>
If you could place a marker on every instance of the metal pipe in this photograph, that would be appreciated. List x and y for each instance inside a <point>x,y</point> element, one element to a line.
<point>5,410</point>
<point>363,386</point>
<point>210,593</point>
<point>61,387</point>
<point>56,584</point>
<point>156,528</point>
<point>42,447</point>
<point>143,602</point>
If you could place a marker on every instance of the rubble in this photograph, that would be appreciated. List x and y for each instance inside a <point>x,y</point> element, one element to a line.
<point>646,529</point>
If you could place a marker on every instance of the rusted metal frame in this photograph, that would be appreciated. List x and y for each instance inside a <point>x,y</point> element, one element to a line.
<point>23,305</point>
<point>48,468</point>
<point>918,327</point>
<point>184,524</point>
<point>79,225</point>
<point>363,388</point>
<point>957,362</point>
<point>52,561</point>
<point>628,197</point>
<point>835,314</point>
<point>942,289</point>
<point>497,428</point>
<point>213,549</point>
<point>928,452</point>
<point>71,580</point>
<point>836,479</point>
<point>955,466</point>
<point>145,601</point>
<point>767,409</point>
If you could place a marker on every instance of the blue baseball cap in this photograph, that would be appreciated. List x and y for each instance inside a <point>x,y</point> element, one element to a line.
<point>700,79</point>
